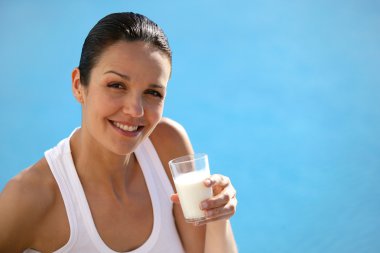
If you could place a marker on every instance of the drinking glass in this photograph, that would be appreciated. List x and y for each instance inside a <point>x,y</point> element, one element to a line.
<point>188,173</point>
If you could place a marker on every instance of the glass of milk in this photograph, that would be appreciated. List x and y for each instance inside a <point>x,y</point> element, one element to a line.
<point>188,173</point>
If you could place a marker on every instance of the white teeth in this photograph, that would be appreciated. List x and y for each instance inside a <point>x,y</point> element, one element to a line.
<point>125,127</point>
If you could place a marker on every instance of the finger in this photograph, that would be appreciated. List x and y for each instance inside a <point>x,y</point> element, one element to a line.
<point>226,210</point>
<point>218,183</point>
<point>220,199</point>
<point>219,213</point>
<point>217,179</point>
<point>174,198</point>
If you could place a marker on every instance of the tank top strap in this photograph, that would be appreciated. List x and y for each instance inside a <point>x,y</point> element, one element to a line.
<point>57,159</point>
<point>147,155</point>
<point>154,173</point>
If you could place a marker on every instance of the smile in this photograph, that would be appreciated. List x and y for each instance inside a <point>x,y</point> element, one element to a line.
<point>125,127</point>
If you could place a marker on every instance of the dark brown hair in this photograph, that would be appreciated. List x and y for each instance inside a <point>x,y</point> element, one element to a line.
<point>126,26</point>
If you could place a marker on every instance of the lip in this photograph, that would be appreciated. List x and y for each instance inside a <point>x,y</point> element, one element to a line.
<point>126,133</point>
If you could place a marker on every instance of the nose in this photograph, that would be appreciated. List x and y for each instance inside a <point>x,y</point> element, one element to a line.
<point>133,106</point>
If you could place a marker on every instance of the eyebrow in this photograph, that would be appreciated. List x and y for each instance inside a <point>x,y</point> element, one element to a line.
<point>117,73</point>
<point>153,85</point>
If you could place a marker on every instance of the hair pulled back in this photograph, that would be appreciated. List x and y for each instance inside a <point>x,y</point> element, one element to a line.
<point>114,27</point>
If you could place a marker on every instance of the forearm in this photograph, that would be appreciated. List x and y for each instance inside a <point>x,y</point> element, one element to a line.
<point>220,238</point>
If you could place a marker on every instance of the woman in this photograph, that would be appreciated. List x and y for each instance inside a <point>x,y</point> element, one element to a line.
<point>107,187</point>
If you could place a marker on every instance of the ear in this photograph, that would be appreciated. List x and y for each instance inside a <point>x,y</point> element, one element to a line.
<point>76,85</point>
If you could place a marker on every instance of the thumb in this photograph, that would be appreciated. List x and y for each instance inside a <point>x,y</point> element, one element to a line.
<point>174,198</point>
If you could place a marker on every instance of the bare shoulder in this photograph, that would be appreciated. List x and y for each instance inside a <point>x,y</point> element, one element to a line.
<point>170,139</point>
<point>24,202</point>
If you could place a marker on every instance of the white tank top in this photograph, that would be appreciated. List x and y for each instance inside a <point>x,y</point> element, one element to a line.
<point>84,238</point>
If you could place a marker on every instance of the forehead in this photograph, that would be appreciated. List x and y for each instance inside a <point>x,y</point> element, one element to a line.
<point>137,59</point>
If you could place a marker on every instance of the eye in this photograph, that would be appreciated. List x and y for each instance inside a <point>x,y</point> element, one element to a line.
<point>154,93</point>
<point>116,85</point>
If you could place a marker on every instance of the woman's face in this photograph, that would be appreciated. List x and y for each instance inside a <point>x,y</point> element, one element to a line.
<point>124,99</point>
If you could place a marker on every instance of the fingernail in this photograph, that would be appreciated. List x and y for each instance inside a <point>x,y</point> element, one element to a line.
<point>207,182</point>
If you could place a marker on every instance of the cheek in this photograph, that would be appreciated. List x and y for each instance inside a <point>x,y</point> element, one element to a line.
<point>101,106</point>
<point>154,111</point>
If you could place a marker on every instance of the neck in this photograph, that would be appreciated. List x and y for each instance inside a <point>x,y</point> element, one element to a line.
<point>98,166</point>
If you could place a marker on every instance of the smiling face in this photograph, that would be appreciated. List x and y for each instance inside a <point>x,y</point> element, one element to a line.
<point>124,99</point>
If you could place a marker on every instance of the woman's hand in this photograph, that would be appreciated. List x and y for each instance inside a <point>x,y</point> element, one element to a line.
<point>222,205</point>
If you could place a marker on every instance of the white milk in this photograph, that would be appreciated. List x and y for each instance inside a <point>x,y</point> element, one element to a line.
<point>192,191</point>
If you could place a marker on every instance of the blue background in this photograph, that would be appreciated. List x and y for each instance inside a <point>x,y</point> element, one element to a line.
<point>282,95</point>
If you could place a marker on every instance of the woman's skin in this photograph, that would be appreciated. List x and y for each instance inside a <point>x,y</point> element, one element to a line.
<point>121,106</point>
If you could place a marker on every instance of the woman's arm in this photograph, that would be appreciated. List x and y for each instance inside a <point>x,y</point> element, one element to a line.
<point>171,141</point>
<point>219,208</point>
<point>23,204</point>
<point>219,236</point>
